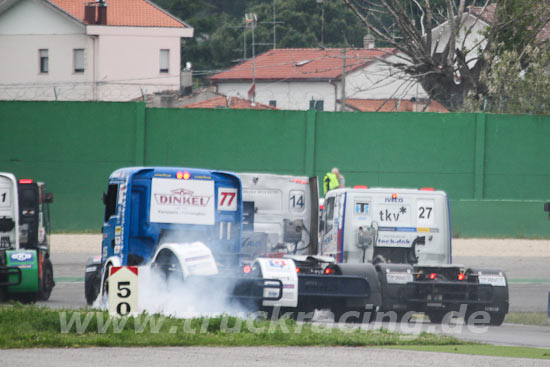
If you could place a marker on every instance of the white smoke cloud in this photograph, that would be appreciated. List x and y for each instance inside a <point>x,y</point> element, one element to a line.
<point>193,297</point>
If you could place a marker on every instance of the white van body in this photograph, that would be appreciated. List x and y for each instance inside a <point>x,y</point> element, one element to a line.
<point>358,224</point>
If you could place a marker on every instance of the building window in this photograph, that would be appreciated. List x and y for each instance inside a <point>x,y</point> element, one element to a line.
<point>78,60</point>
<point>164,61</point>
<point>43,57</point>
<point>316,105</point>
<point>273,103</point>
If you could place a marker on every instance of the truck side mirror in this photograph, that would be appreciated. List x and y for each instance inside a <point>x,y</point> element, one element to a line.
<point>547,208</point>
<point>104,199</point>
<point>322,226</point>
<point>48,197</point>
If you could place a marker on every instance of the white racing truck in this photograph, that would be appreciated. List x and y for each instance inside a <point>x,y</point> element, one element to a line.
<point>280,220</point>
<point>279,214</point>
<point>26,271</point>
<point>405,235</point>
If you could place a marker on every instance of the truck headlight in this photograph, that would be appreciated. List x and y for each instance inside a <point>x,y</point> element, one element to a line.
<point>494,279</point>
<point>399,278</point>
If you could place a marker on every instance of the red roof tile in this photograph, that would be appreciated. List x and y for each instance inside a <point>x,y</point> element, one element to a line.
<point>393,105</point>
<point>303,64</point>
<point>229,102</point>
<point>130,13</point>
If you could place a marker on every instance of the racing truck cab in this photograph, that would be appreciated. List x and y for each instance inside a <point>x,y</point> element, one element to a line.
<point>406,234</point>
<point>279,214</point>
<point>182,222</point>
<point>25,267</point>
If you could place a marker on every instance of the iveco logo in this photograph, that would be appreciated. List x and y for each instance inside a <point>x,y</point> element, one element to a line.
<point>393,200</point>
<point>21,256</point>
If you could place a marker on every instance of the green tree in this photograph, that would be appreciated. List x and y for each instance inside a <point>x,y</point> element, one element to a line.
<point>512,86</point>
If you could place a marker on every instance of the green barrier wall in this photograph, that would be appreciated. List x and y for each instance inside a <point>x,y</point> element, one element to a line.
<point>495,168</point>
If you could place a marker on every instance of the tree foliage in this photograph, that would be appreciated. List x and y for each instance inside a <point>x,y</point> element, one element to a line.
<point>513,87</point>
<point>446,68</point>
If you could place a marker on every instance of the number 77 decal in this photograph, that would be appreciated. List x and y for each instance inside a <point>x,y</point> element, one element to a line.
<point>227,199</point>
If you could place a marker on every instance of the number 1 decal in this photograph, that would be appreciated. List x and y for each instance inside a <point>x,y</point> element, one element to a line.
<point>4,198</point>
<point>227,199</point>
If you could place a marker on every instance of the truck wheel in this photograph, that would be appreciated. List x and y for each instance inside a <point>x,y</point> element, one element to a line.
<point>436,317</point>
<point>168,265</point>
<point>91,286</point>
<point>496,318</point>
<point>105,285</point>
<point>339,312</point>
<point>46,283</point>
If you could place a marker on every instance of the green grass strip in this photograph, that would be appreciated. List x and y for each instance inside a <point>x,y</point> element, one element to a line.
<point>29,326</point>
<point>481,349</point>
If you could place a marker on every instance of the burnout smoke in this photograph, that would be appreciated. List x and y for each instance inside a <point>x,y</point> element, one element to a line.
<point>196,295</point>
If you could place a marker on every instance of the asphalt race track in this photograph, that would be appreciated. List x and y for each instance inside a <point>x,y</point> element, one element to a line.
<point>529,279</point>
<point>252,356</point>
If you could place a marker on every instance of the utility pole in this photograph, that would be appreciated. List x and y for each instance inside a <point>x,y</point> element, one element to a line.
<point>343,92</point>
<point>251,20</point>
<point>244,46</point>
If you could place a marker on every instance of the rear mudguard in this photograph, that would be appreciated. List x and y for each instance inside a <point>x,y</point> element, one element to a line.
<point>283,270</point>
<point>194,258</point>
<point>22,271</point>
<point>109,262</point>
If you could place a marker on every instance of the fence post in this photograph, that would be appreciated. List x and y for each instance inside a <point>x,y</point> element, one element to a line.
<point>140,133</point>
<point>479,165</point>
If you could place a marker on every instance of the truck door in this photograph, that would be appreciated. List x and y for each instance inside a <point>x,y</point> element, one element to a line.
<point>28,210</point>
<point>328,239</point>
<point>110,229</point>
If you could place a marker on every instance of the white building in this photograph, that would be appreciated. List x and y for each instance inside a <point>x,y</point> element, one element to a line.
<point>302,79</point>
<point>75,50</point>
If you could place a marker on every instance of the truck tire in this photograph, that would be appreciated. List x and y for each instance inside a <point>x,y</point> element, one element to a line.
<point>105,285</point>
<point>496,318</point>
<point>361,318</point>
<point>436,317</point>
<point>46,284</point>
<point>91,285</point>
<point>168,265</point>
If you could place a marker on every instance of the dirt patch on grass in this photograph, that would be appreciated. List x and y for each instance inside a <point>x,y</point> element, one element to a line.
<point>501,247</point>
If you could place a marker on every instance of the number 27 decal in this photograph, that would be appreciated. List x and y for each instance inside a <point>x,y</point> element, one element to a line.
<point>227,199</point>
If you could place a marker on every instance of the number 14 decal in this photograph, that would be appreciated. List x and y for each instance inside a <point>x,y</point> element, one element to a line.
<point>227,199</point>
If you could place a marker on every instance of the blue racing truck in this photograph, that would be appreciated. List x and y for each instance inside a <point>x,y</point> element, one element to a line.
<point>188,223</point>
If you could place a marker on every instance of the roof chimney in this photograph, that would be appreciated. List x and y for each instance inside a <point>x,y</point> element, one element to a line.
<point>369,41</point>
<point>89,13</point>
<point>102,13</point>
